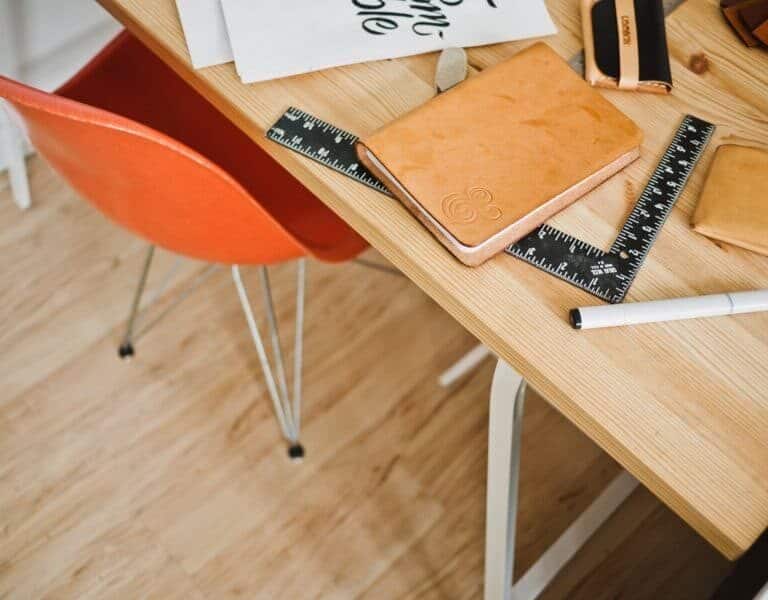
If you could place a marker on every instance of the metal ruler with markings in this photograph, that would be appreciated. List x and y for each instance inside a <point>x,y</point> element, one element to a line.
<point>324,143</point>
<point>607,275</point>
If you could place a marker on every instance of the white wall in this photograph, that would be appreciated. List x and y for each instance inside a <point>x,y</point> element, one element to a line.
<point>42,42</point>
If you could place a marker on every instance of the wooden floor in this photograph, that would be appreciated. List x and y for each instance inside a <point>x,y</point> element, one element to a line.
<point>164,477</point>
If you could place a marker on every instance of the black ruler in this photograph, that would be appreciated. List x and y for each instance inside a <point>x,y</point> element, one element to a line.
<point>606,275</point>
<point>324,143</point>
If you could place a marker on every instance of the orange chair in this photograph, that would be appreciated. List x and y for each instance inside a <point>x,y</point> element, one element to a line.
<point>153,155</point>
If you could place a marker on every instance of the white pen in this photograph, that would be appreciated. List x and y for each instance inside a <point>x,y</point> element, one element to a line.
<point>615,315</point>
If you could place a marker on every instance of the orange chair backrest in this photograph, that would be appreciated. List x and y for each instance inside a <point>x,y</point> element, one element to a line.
<point>149,183</point>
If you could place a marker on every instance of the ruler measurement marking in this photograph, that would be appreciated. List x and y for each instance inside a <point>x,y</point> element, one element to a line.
<point>607,275</point>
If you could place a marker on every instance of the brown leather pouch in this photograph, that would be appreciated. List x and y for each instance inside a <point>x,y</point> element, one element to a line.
<point>625,45</point>
<point>732,14</point>
<point>761,33</point>
<point>748,18</point>
<point>755,15</point>
<point>733,206</point>
<point>489,160</point>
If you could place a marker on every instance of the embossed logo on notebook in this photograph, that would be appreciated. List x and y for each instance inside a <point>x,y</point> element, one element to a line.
<point>626,31</point>
<point>476,203</point>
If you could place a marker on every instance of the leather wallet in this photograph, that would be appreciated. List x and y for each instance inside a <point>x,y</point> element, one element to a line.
<point>489,160</point>
<point>749,19</point>
<point>761,33</point>
<point>625,45</point>
<point>755,15</point>
<point>733,206</point>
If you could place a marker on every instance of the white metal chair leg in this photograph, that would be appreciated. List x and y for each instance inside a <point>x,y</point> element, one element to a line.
<point>126,349</point>
<point>504,437</point>
<point>136,327</point>
<point>287,410</point>
<point>298,340</point>
<point>143,328</point>
<point>274,334</point>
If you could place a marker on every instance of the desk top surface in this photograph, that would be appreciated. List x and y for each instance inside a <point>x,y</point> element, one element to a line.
<point>683,406</point>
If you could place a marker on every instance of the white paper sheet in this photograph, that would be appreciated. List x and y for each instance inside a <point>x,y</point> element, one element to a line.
<point>276,38</point>
<point>205,31</point>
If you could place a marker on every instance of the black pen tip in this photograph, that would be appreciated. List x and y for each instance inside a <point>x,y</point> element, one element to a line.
<point>575,317</point>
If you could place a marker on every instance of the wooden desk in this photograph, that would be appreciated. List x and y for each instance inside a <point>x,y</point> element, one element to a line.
<point>683,406</point>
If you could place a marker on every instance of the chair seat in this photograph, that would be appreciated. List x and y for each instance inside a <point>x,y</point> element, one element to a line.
<point>128,79</point>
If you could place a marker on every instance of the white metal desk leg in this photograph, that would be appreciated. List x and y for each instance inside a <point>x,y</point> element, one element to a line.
<point>504,435</point>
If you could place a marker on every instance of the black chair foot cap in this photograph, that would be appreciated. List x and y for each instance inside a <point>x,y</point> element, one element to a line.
<point>125,351</point>
<point>296,452</point>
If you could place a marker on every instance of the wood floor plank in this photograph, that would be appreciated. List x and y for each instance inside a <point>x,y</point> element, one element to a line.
<point>164,477</point>
<point>127,564</point>
<point>641,533</point>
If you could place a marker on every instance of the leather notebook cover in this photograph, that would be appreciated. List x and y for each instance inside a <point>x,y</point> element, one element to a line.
<point>485,163</point>
<point>733,206</point>
<point>625,45</point>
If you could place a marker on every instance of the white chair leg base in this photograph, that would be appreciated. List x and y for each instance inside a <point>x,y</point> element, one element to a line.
<point>504,436</point>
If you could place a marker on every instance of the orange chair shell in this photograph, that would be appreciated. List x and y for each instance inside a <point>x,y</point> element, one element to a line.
<point>153,155</point>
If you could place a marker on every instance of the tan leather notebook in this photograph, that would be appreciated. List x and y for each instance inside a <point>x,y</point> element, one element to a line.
<point>487,162</point>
